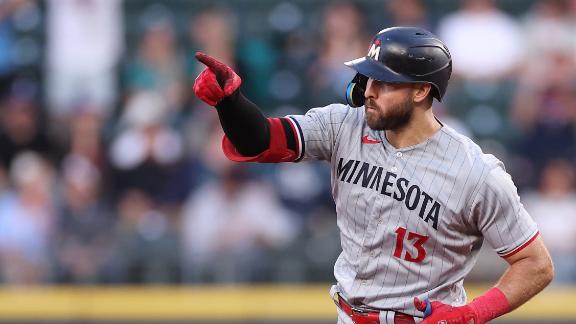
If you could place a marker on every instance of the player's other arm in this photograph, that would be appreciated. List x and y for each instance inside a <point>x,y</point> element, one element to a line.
<point>530,271</point>
<point>507,226</point>
<point>250,136</point>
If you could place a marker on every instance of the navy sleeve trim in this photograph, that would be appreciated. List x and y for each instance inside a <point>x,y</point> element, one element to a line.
<point>289,134</point>
<point>300,139</point>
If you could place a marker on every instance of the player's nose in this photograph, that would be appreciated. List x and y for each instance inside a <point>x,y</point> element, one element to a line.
<point>371,90</point>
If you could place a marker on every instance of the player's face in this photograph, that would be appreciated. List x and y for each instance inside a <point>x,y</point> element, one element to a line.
<point>389,106</point>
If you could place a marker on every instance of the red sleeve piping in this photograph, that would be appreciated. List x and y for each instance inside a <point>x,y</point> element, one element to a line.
<point>521,247</point>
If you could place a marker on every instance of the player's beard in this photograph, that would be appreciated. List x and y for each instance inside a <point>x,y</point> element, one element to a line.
<point>394,117</point>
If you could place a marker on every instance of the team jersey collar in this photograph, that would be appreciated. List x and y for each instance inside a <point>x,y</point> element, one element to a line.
<point>435,136</point>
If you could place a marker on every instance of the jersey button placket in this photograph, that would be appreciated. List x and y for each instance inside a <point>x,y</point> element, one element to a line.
<point>394,167</point>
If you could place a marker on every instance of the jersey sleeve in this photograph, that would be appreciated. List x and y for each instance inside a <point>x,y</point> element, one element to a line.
<point>318,131</point>
<point>500,216</point>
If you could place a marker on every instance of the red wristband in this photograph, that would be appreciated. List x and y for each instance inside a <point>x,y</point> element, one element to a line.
<point>490,305</point>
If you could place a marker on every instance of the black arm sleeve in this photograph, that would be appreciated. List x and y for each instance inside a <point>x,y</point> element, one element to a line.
<point>244,124</point>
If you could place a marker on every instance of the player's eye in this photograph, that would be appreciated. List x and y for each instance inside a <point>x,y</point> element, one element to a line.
<point>374,83</point>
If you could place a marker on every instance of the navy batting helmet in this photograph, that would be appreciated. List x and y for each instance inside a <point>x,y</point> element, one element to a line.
<point>402,55</point>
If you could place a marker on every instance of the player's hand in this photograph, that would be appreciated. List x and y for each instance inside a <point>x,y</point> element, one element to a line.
<point>437,312</point>
<point>216,82</point>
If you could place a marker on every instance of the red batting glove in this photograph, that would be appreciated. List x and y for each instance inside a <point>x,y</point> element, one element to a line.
<point>216,82</point>
<point>437,312</point>
<point>481,310</point>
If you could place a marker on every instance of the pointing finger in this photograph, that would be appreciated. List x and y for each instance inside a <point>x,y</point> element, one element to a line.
<point>208,60</point>
<point>219,68</point>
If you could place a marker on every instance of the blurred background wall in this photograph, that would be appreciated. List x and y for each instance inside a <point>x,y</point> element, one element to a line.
<point>111,171</point>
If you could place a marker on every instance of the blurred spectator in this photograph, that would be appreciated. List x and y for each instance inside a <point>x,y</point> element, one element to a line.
<point>258,61</point>
<point>211,154</point>
<point>296,51</point>
<point>85,139</point>
<point>447,119</point>
<point>85,41</point>
<point>145,243</point>
<point>301,186</point>
<point>340,42</point>
<point>549,17</point>
<point>157,65</point>
<point>27,218</point>
<point>212,32</point>
<point>408,13</point>
<point>544,111</point>
<point>84,224</point>
<point>144,153</point>
<point>553,207</point>
<point>20,123</point>
<point>485,43</point>
<point>487,49</point>
<point>7,37</point>
<point>550,61</point>
<point>228,223</point>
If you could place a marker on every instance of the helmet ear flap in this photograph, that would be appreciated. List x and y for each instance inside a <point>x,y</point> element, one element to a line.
<point>355,90</point>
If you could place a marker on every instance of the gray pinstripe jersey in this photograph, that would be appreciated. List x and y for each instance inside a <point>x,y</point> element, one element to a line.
<point>412,220</point>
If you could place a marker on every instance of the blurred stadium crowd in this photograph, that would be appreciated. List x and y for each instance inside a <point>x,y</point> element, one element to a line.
<point>111,170</point>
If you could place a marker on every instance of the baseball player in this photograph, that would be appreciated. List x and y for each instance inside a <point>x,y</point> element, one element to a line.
<point>414,199</point>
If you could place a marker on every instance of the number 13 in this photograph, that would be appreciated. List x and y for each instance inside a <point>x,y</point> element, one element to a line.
<point>418,244</point>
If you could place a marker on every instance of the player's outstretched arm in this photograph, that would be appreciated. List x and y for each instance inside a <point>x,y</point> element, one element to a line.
<point>530,271</point>
<point>250,136</point>
<point>219,86</point>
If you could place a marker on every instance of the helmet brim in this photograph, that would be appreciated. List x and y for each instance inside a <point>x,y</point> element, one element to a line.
<point>378,71</point>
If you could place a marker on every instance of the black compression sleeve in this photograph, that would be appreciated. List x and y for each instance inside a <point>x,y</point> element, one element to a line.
<point>244,124</point>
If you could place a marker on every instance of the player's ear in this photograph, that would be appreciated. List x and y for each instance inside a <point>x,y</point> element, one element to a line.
<point>420,92</point>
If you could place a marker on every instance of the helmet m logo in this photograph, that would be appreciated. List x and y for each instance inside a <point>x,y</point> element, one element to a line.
<point>374,51</point>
